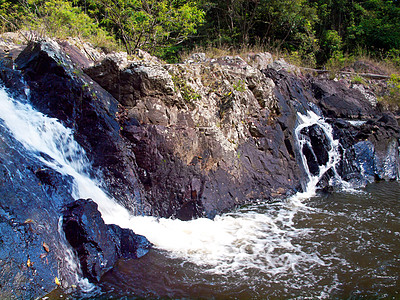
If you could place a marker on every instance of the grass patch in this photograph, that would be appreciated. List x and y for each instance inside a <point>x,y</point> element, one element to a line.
<point>212,51</point>
<point>357,79</point>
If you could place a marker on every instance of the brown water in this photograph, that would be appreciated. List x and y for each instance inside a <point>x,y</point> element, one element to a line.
<point>343,245</point>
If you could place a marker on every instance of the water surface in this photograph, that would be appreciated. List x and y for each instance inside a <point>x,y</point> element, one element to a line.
<point>341,245</point>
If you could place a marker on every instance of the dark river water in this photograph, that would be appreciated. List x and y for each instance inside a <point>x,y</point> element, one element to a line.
<point>342,245</point>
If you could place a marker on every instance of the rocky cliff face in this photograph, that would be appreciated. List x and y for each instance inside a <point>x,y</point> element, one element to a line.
<point>207,134</point>
<point>185,140</point>
<point>210,134</point>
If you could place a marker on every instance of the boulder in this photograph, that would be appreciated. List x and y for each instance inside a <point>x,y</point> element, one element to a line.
<point>281,64</point>
<point>98,246</point>
<point>338,101</point>
<point>128,244</point>
<point>260,60</point>
<point>319,143</point>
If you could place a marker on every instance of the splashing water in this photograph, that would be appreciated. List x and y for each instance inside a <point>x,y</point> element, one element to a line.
<point>242,242</point>
<point>233,241</point>
<point>312,180</point>
<point>54,145</point>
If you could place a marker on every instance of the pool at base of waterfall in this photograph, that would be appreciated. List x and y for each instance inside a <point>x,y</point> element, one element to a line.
<point>340,245</point>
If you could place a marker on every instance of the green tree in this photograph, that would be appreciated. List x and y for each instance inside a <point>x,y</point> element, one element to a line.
<point>56,18</point>
<point>11,13</point>
<point>287,24</point>
<point>378,28</point>
<point>61,19</point>
<point>149,24</point>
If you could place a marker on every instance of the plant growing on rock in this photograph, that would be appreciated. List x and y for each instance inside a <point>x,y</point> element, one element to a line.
<point>357,79</point>
<point>392,99</point>
<point>187,92</point>
<point>239,86</point>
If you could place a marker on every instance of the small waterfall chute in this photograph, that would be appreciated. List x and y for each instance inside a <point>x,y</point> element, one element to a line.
<point>55,146</point>
<point>230,243</point>
<point>319,153</point>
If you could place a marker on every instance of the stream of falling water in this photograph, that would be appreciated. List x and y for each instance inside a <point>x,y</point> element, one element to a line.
<point>277,249</point>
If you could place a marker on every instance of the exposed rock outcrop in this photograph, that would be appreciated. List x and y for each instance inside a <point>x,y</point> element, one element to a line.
<point>60,89</point>
<point>204,134</point>
<point>368,138</point>
<point>184,140</point>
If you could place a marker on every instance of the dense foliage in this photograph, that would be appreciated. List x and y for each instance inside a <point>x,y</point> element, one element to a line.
<point>315,30</point>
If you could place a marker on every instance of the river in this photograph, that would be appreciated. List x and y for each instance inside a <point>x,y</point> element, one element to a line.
<point>340,245</point>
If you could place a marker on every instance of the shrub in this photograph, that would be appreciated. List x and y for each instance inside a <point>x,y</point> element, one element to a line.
<point>391,101</point>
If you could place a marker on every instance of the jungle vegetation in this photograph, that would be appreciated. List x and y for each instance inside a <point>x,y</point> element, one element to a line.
<point>314,31</point>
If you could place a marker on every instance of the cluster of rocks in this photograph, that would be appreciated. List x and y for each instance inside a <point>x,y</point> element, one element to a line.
<point>171,140</point>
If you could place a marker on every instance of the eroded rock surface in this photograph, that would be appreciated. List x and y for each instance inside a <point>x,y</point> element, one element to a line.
<point>184,140</point>
<point>205,134</point>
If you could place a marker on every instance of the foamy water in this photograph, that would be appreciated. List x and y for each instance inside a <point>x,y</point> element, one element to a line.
<point>234,242</point>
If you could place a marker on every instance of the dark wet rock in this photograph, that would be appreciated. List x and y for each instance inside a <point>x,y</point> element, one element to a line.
<point>339,101</point>
<point>368,150</point>
<point>365,159</point>
<point>311,159</point>
<point>31,198</point>
<point>12,81</point>
<point>128,244</point>
<point>87,233</point>
<point>318,142</point>
<point>60,89</point>
<point>324,184</point>
<point>98,245</point>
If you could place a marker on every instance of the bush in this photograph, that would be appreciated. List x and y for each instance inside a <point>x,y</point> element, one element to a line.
<point>391,101</point>
<point>58,18</point>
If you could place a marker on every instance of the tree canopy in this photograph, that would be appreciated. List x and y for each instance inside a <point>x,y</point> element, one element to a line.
<point>314,29</point>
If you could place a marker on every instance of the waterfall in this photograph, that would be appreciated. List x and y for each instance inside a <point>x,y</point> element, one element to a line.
<point>55,146</point>
<point>229,243</point>
<point>318,152</point>
<point>261,240</point>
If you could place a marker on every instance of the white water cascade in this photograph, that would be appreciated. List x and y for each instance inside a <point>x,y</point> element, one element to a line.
<point>312,180</point>
<point>43,135</point>
<point>234,242</point>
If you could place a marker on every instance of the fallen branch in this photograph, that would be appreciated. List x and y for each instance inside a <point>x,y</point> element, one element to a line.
<point>366,75</point>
